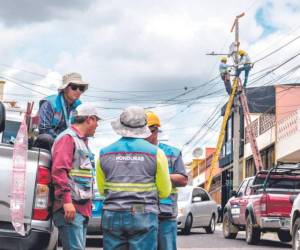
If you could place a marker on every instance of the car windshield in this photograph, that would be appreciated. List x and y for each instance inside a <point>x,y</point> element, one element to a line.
<point>183,195</point>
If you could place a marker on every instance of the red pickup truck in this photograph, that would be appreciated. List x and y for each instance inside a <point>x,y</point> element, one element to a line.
<point>262,204</point>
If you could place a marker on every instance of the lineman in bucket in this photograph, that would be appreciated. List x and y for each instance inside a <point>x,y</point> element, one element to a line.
<point>167,229</point>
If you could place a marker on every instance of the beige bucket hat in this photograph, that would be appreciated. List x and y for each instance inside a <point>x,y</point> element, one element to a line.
<point>132,123</point>
<point>72,78</point>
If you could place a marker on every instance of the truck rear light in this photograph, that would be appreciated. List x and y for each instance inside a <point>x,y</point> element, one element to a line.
<point>263,203</point>
<point>41,205</point>
<point>44,176</point>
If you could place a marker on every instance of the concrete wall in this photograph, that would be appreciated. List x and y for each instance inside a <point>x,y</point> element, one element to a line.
<point>287,100</point>
<point>287,120</point>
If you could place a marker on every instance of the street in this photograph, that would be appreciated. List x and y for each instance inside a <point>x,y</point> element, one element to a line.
<point>198,239</point>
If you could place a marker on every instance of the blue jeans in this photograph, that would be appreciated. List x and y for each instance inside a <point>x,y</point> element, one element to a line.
<point>124,230</point>
<point>246,68</point>
<point>72,235</point>
<point>167,234</point>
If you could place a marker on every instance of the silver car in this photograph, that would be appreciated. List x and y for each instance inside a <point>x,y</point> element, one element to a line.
<point>196,208</point>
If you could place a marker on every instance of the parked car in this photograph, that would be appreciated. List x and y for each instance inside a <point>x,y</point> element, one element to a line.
<point>39,230</point>
<point>295,222</point>
<point>258,205</point>
<point>94,226</point>
<point>196,209</point>
<point>234,211</point>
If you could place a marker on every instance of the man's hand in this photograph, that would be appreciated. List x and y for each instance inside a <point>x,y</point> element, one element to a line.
<point>70,212</point>
<point>179,180</point>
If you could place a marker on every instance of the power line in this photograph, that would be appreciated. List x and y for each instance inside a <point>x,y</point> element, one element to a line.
<point>278,49</point>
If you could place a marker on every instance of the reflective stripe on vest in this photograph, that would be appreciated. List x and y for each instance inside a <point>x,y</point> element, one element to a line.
<point>81,175</point>
<point>130,187</point>
<point>129,166</point>
<point>81,172</point>
<point>168,206</point>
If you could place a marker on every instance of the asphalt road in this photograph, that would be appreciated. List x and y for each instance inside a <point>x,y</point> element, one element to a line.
<point>198,239</point>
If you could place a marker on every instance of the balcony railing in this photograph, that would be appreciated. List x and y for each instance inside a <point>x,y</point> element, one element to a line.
<point>260,125</point>
<point>288,125</point>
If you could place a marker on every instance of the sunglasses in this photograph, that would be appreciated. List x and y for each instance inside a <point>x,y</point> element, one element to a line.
<point>74,87</point>
<point>153,129</point>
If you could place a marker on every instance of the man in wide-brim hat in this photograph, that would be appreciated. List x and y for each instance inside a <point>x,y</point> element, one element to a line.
<point>55,111</point>
<point>132,174</point>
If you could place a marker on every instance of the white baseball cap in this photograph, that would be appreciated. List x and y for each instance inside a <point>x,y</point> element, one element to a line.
<point>87,110</point>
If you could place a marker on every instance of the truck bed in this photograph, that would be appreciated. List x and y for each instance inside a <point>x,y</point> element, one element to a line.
<point>36,157</point>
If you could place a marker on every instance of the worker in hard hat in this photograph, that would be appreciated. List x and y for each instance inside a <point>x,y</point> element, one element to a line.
<point>167,228</point>
<point>244,65</point>
<point>225,74</point>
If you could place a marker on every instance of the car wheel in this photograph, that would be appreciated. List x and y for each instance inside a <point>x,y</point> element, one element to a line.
<point>212,225</point>
<point>284,236</point>
<point>227,227</point>
<point>252,233</point>
<point>296,235</point>
<point>188,225</point>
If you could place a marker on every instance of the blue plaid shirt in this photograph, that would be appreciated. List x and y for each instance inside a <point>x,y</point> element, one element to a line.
<point>46,114</point>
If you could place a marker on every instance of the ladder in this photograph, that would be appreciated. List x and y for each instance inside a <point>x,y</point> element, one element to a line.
<point>249,131</point>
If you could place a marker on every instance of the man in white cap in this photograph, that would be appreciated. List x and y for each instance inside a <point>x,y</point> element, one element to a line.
<point>132,174</point>
<point>72,175</point>
<point>55,111</point>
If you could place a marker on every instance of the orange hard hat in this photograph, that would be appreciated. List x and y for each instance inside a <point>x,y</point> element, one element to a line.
<point>152,119</point>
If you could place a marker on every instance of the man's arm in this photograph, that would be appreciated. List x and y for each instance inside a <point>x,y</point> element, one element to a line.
<point>179,178</point>
<point>62,158</point>
<point>163,182</point>
<point>46,114</point>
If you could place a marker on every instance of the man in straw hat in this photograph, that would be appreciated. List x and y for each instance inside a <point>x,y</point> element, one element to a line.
<point>132,174</point>
<point>55,111</point>
<point>72,174</point>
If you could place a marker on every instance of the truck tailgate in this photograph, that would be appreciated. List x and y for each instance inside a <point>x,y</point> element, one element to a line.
<point>278,205</point>
<point>6,159</point>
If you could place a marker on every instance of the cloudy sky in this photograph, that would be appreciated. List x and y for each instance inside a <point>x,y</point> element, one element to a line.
<point>147,52</point>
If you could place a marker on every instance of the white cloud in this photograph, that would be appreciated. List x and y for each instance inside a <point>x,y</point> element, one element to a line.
<point>145,45</point>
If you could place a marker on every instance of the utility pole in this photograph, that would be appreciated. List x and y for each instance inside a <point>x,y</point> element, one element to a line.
<point>237,170</point>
